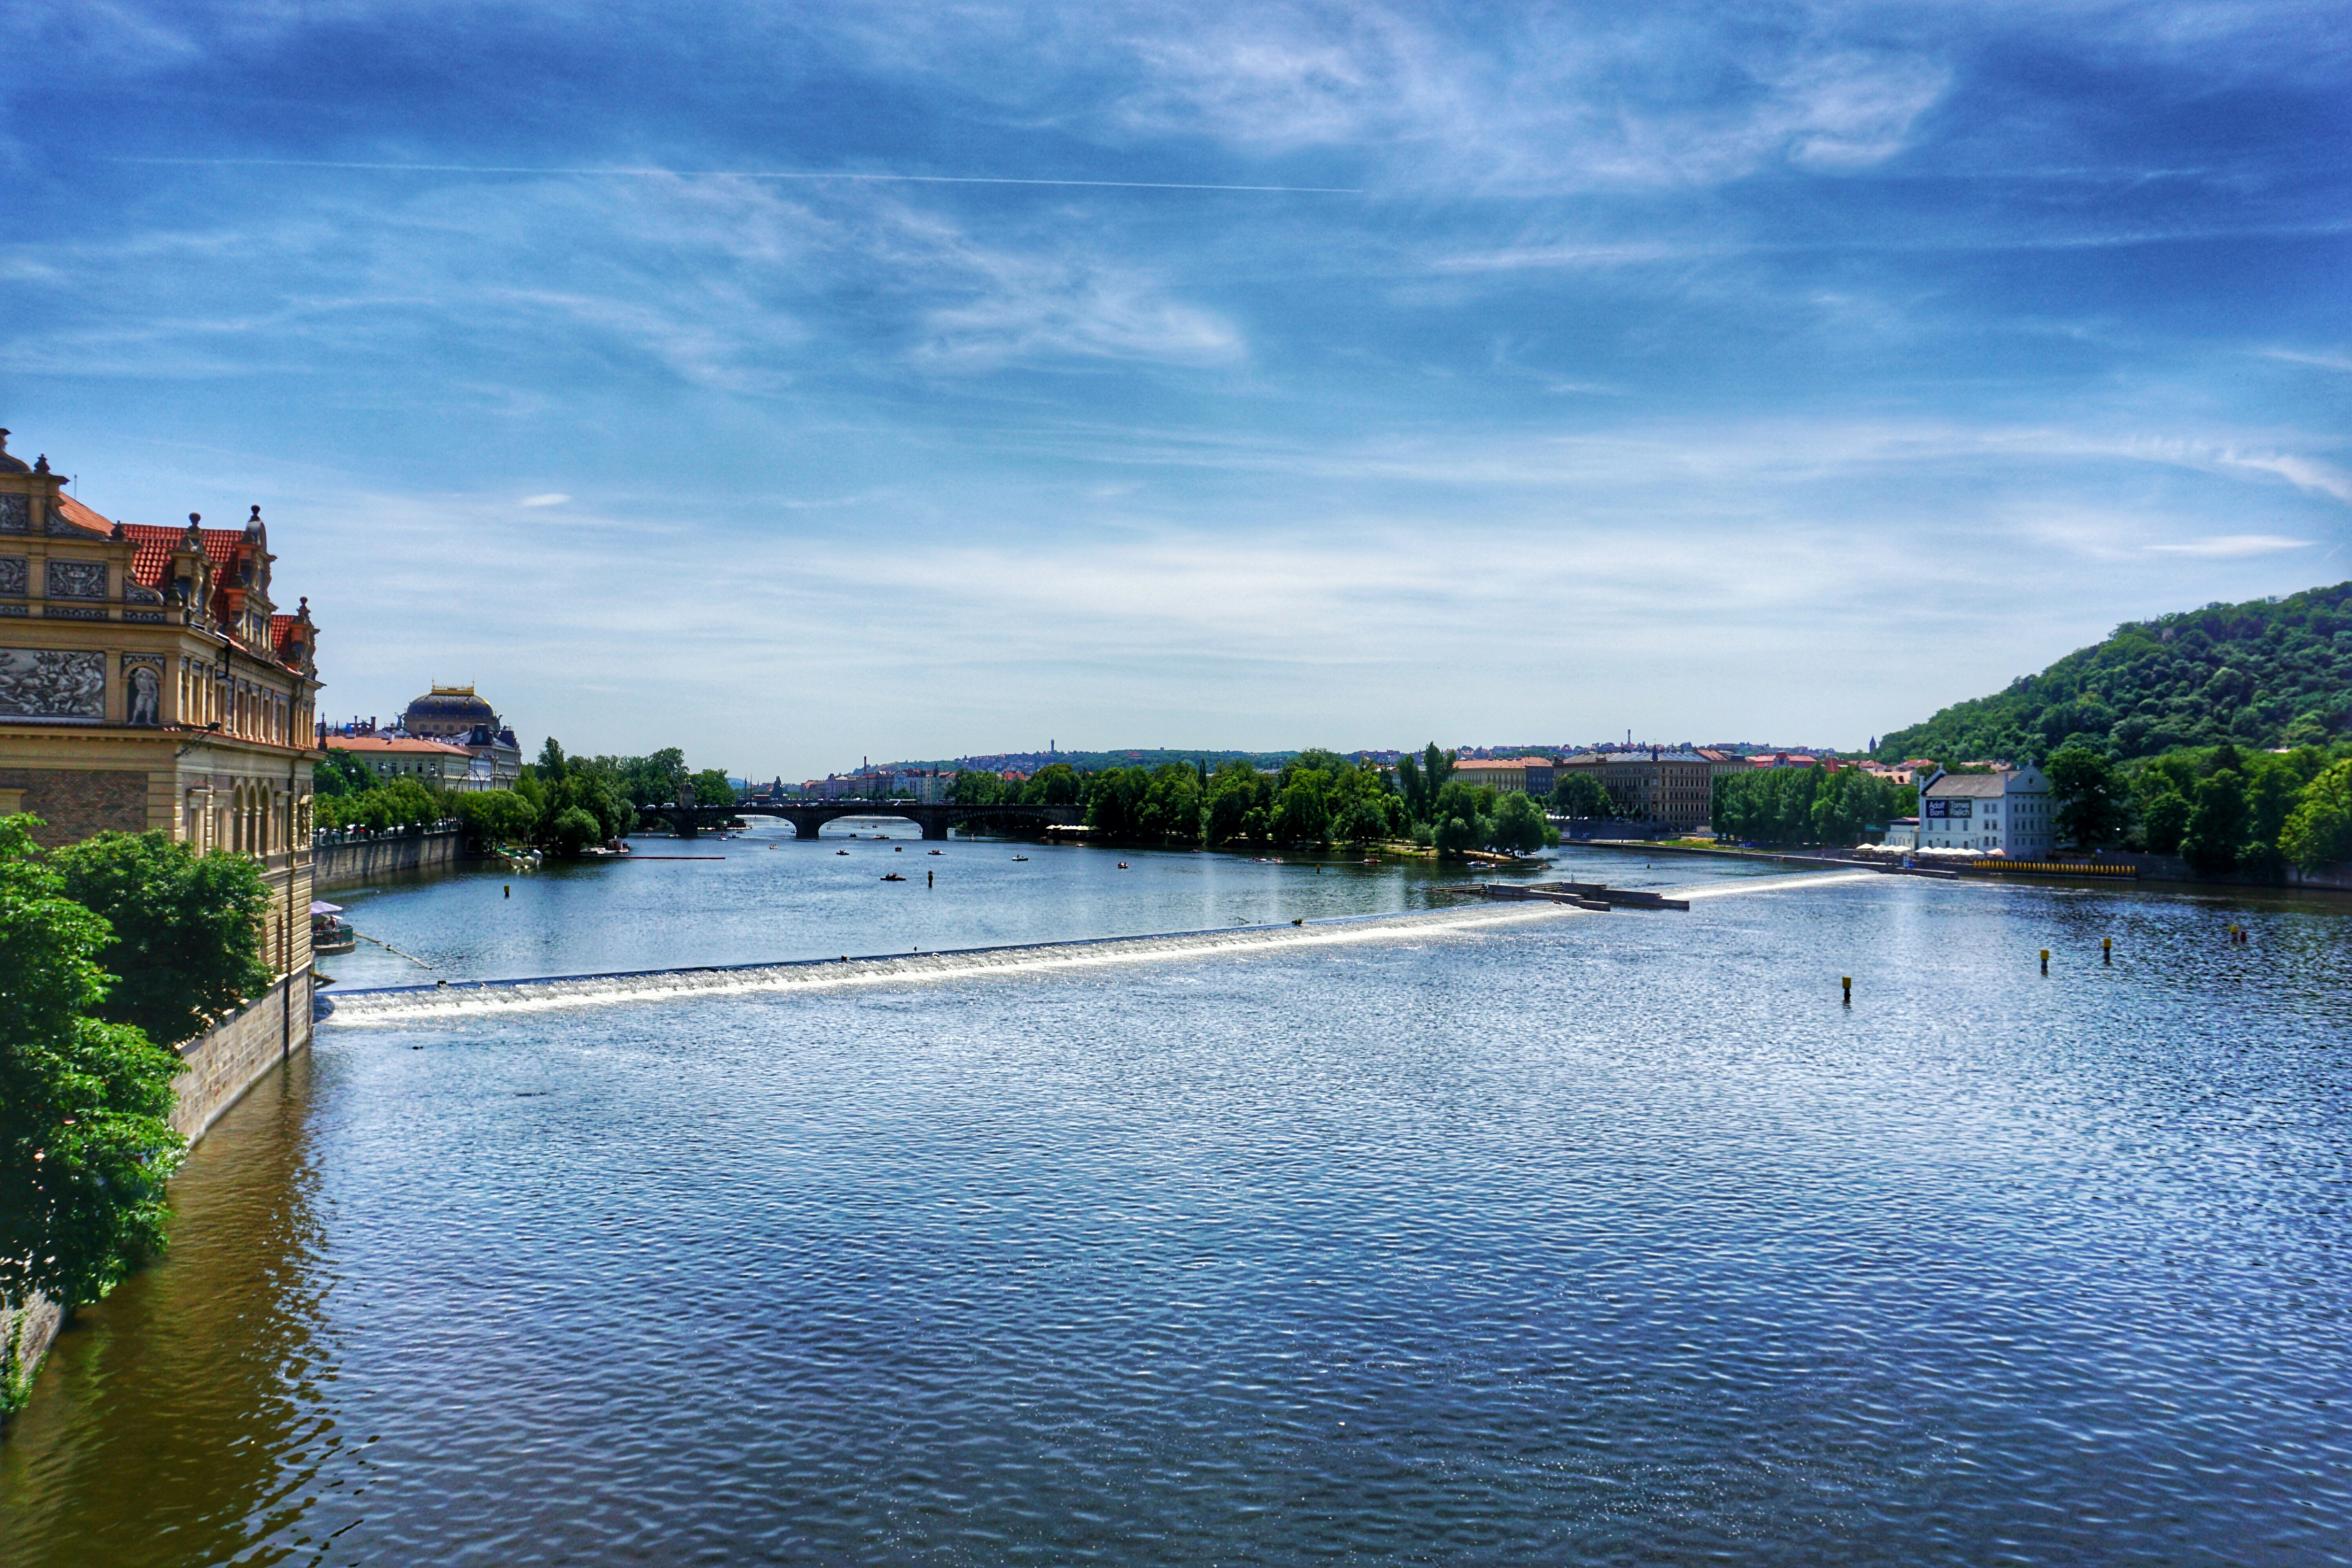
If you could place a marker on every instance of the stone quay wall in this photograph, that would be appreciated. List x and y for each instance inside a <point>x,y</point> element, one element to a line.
<point>354,862</point>
<point>218,1067</point>
<point>229,1058</point>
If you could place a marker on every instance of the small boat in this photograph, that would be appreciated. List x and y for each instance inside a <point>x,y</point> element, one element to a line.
<point>1017,856</point>
<point>893,877</point>
<point>935,852</point>
<point>1122,865</point>
<point>901,849</point>
<point>841,851</point>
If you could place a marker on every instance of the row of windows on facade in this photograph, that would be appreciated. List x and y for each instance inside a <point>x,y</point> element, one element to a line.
<point>252,818</point>
<point>209,695</point>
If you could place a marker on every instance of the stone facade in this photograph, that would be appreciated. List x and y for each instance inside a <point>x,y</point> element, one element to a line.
<point>148,682</point>
<point>75,803</point>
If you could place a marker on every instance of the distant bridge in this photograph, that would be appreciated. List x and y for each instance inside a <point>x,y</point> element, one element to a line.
<point>807,816</point>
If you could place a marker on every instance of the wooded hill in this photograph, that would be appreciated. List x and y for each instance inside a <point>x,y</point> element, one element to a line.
<point>2267,673</point>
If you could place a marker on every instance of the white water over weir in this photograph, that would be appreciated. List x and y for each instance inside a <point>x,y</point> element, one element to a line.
<point>412,1004</point>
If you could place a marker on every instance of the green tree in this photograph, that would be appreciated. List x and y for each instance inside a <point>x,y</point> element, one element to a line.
<point>85,1145</point>
<point>341,774</point>
<point>1057,784</point>
<point>2318,831</point>
<point>1114,802</point>
<point>974,787</point>
<point>712,787</point>
<point>1362,806</point>
<point>496,816</point>
<point>552,764</point>
<point>1519,826</point>
<point>2164,817</point>
<point>2093,800</point>
<point>1421,782</point>
<point>1234,791</point>
<point>1300,814</point>
<point>583,792</point>
<point>1171,809</point>
<point>186,942</point>
<point>2217,823</point>
<point>1462,816</point>
<point>573,829</point>
<point>1579,793</point>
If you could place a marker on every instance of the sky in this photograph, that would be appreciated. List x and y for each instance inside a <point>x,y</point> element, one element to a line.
<point>797,383</point>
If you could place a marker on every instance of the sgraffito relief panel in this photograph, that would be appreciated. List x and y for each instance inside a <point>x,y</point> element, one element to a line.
<point>52,683</point>
<point>77,579</point>
<point>58,523</point>
<point>15,514</point>
<point>15,575</point>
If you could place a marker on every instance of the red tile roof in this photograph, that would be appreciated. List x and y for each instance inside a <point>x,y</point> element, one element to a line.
<point>382,744</point>
<point>156,545</point>
<point>81,516</point>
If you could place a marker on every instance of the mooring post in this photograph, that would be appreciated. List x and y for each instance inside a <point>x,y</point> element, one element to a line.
<point>2046,961</point>
<point>1847,981</point>
<point>2106,950</point>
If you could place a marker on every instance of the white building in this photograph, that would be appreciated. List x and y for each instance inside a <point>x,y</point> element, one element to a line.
<point>2008,813</point>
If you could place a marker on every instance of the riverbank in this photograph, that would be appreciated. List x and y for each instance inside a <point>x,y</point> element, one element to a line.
<point>218,1067</point>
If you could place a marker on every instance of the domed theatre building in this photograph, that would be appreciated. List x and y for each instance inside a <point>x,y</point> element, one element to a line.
<point>147,679</point>
<point>456,714</point>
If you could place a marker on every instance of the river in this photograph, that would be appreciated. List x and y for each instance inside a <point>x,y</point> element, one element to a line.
<point>1541,1237</point>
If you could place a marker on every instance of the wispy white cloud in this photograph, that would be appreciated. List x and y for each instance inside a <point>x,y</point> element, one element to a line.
<point>2298,356</point>
<point>2226,545</point>
<point>554,498</point>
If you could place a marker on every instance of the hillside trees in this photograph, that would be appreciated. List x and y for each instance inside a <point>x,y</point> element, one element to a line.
<point>2261,675</point>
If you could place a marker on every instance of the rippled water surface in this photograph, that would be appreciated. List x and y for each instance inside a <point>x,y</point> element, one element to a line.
<point>1580,1238</point>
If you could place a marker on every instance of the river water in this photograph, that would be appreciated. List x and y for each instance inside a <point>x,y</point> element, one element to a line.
<point>1540,1236</point>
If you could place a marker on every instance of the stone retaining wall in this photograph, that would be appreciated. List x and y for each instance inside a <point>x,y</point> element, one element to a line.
<point>224,1061</point>
<point>354,862</point>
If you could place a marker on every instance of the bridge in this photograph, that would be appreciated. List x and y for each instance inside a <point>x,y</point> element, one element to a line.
<point>807,816</point>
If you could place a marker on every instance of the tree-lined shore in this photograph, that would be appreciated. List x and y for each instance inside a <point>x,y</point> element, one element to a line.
<point>1316,798</point>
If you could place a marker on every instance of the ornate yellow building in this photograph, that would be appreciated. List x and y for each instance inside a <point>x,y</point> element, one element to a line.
<point>147,681</point>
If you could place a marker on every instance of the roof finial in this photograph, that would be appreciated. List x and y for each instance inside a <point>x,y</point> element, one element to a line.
<point>41,465</point>
<point>195,518</point>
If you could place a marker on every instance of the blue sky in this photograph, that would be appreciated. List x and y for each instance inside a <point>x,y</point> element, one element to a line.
<point>802,382</point>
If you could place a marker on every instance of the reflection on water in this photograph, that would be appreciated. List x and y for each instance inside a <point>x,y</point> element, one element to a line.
<point>1592,1238</point>
<point>164,1419</point>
